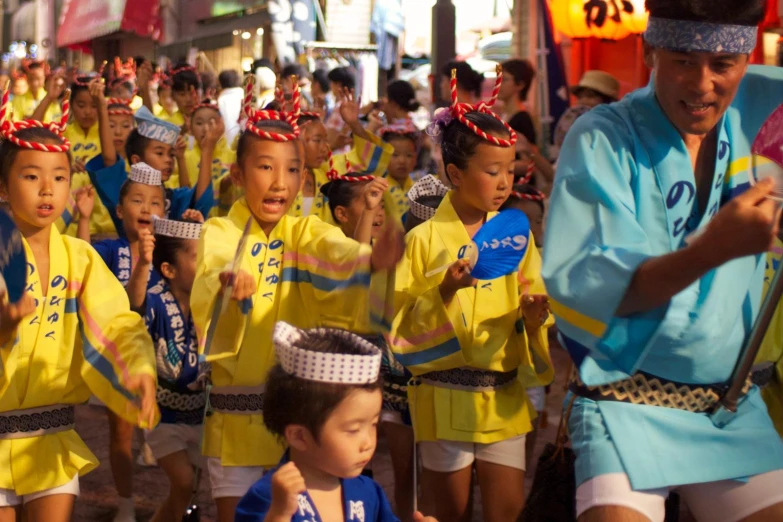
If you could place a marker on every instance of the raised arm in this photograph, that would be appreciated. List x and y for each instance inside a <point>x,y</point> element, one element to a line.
<point>108,152</point>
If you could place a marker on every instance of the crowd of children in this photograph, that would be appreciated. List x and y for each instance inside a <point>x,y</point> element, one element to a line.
<point>255,306</point>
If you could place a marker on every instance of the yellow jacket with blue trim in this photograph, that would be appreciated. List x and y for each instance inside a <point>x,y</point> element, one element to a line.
<point>82,340</point>
<point>308,274</point>
<point>480,329</point>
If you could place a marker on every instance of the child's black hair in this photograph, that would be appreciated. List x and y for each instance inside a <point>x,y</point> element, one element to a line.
<point>345,76</point>
<point>412,221</point>
<point>403,94</point>
<point>80,85</point>
<point>229,79</point>
<point>592,92</point>
<point>184,80</point>
<point>136,144</point>
<point>9,151</point>
<point>126,84</point>
<point>166,250</point>
<point>321,77</point>
<point>243,144</point>
<point>523,188</point>
<point>390,136</point>
<point>459,143</point>
<point>340,193</point>
<point>290,400</point>
<point>307,119</point>
<point>467,78</point>
<point>735,12</point>
<point>294,69</point>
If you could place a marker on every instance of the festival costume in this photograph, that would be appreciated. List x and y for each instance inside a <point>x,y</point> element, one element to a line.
<point>362,498</point>
<point>398,192</point>
<point>25,104</point>
<point>82,340</point>
<point>116,254</point>
<point>109,180</point>
<point>625,193</point>
<point>772,347</point>
<point>222,159</point>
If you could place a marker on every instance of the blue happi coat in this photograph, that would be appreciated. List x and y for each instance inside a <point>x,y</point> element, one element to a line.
<point>625,193</point>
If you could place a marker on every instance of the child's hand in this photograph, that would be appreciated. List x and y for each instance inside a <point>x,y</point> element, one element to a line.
<point>85,201</point>
<point>215,130</point>
<point>144,75</point>
<point>144,387</point>
<point>287,484</point>
<point>349,109</point>
<point>97,91</point>
<point>535,310</point>
<point>11,314</point>
<point>457,277</point>
<point>194,215</point>
<point>375,122</point>
<point>146,247</point>
<point>418,517</point>
<point>55,86</point>
<point>373,193</point>
<point>389,247</point>
<point>78,166</point>
<point>180,147</point>
<point>243,286</point>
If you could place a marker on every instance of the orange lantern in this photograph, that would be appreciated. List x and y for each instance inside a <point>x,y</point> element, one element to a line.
<point>604,19</point>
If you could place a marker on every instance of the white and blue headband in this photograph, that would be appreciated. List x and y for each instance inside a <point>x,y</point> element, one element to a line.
<point>689,36</point>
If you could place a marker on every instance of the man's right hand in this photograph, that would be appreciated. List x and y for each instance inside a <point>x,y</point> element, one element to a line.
<point>747,225</point>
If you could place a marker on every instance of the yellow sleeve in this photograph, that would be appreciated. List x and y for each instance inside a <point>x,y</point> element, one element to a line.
<point>19,106</point>
<point>337,275</point>
<point>372,156</point>
<point>536,367</point>
<point>216,249</point>
<point>424,338</point>
<point>115,342</point>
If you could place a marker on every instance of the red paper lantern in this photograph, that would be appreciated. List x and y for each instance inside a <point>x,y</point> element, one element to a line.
<point>604,19</point>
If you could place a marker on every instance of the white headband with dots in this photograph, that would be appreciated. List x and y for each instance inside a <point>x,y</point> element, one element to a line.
<point>179,229</point>
<point>318,366</point>
<point>427,186</point>
<point>144,174</point>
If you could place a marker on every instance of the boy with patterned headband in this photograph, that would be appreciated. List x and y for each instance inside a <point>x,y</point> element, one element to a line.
<point>645,304</point>
<point>324,400</point>
<point>153,142</point>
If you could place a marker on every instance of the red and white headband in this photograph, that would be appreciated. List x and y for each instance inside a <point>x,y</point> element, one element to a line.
<point>9,128</point>
<point>254,116</point>
<point>351,173</point>
<point>91,78</point>
<point>117,111</point>
<point>206,104</point>
<point>458,111</point>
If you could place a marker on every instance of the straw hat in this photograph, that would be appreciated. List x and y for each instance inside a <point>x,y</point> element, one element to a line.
<point>600,82</point>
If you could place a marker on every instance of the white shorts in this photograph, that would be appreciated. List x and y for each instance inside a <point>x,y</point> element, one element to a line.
<point>232,481</point>
<point>724,501</point>
<point>167,438</point>
<point>9,498</point>
<point>446,456</point>
<point>537,396</point>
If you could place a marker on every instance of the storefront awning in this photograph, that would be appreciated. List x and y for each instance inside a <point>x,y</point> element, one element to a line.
<point>82,21</point>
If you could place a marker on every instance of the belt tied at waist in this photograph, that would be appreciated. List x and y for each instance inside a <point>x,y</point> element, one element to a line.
<point>643,388</point>
<point>469,379</point>
<point>242,400</point>
<point>34,422</point>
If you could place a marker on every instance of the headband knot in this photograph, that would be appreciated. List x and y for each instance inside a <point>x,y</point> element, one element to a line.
<point>9,128</point>
<point>254,116</point>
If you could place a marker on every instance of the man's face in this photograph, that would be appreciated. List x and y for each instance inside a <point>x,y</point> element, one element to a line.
<point>695,88</point>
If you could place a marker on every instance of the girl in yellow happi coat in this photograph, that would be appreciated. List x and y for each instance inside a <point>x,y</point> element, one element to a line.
<point>299,270</point>
<point>369,154</point>
<point>467,340</point>
<point>78,338</point>
<point>772,346</point>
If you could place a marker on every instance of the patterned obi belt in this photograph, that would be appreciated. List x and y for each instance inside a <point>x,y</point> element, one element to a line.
<point>35,422</point>
<point>643,388</point>
<point>237,400</point>
<point>469,379</point>
<point>180,407</point>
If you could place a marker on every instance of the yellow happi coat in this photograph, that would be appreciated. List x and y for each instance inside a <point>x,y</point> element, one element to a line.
<point>480,329</point>
<point>222,159</point>
<point>82,340</point>
<point>396,199</point>
<point>307,274</point>
<point>368,156</point>
<point>772,346</point>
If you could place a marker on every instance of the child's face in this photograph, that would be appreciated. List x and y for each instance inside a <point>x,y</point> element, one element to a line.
<point>37,187</point>
<point>403,161</point>
<point>121,126</point>
<point>186,100</point>
<point>137,208</point>
<point>271,174</point>
<point>348,217</point>
<point>536,217</point>
<point>166,100</point>
<point>486,182</point>
<point>36,79</point>
<point>348,438</point>
<point>316,146</point>
<point>84,110</point>
<point>198,124</point>
<point>20,87</point>
<point>159,156</point>
<point>183,272</point>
